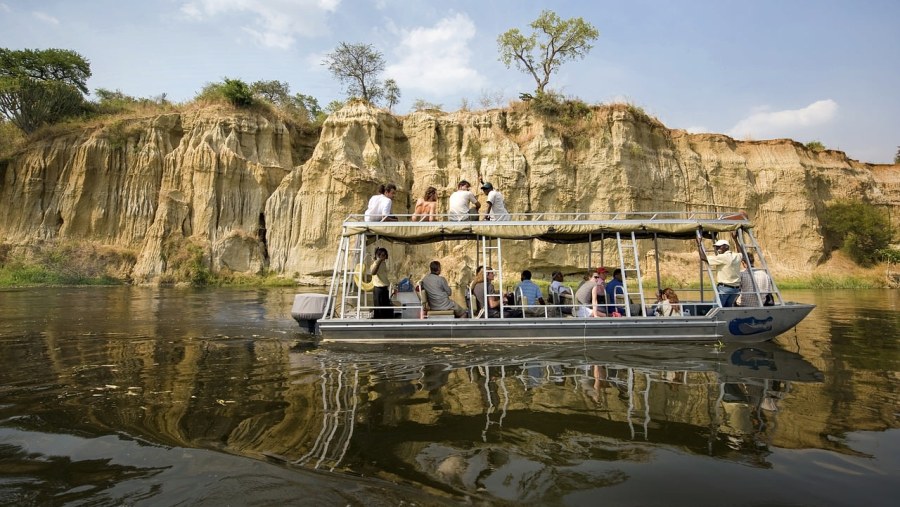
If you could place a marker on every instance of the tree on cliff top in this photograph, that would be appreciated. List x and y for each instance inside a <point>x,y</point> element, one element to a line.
<point>39,87</point>
<point>357,67</point>
<point>553,42</point>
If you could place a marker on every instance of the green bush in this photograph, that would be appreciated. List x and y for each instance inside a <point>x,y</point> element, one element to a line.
<point>815,146</point>
<point>554,105</point>
<point>859,228</point>
<point>233,91</point>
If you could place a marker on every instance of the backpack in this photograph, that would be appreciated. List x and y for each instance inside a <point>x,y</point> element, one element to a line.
<point>405,285</point>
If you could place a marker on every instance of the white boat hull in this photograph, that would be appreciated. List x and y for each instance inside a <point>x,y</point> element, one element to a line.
<point>727,325</point>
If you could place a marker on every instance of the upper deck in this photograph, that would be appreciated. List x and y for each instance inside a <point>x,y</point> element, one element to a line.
<point>551,226</point>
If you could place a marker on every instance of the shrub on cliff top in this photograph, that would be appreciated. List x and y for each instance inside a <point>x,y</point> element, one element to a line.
<point>234,91</point>
<point>860,229</point>
<point>815,146</point>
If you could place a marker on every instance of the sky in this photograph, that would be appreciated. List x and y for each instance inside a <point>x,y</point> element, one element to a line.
<point>808,70</point>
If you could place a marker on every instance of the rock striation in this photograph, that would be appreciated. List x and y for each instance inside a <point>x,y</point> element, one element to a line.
<point>245,192</point>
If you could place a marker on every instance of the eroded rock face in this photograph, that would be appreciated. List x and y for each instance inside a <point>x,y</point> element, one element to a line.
<point>250,192</point>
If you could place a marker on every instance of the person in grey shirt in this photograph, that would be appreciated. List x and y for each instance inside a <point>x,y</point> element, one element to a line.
<point>438,291</point>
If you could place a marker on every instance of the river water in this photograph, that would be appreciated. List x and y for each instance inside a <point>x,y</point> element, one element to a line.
<point>146,396</point>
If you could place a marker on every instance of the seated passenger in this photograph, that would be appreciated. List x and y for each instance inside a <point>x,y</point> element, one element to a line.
<point>558,288</point>
<point>485,287</point>
<point>615,288</point>
<point>668,305</point>
<point>591,295</point>
<point>438,291</point>
<point>531,295</point>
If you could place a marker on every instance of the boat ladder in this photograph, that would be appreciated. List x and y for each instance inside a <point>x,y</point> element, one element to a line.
<point>630,264</point>
<point>353,293</point>
<point>492,257</point>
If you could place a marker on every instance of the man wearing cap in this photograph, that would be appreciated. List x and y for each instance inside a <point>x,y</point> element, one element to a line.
<point>460,200</point>
<point>728,274</point>
<point>496,209</point>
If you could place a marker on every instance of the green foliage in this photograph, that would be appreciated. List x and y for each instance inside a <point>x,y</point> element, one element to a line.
<point>819,281</point>
<point>232,91</point>
<point>554,106</point>
<point>60,264</point>
<point>815,146</point>
<point>309,103</point>
<point>41,87</point>
<point>552,42</point>
<point>334,106</point>
<point>859,228</point>
<point>357,67</point>
<point>888,255</point>
<point>49,65</point>
<point>897,156</point>
<point>237,92</point>
<point>274,92</point>
<point>11,137</point>
<point>424,105</point>
<point>110,102</point>
<point>391,93</point>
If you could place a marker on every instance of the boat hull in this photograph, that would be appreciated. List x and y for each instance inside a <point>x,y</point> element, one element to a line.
<point>727,325</point>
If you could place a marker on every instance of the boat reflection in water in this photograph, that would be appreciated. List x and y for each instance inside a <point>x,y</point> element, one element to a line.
<point>519,423</point>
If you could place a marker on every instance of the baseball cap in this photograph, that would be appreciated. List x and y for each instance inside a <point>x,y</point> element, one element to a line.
<point>487,186</point>
<point>602,271</point>
<point>721,242</point>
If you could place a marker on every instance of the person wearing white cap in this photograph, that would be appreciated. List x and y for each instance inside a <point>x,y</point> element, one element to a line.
<point>728,274</point>
<point>496,208</point>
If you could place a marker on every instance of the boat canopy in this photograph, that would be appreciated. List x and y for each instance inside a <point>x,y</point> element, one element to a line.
<point>551,227</point>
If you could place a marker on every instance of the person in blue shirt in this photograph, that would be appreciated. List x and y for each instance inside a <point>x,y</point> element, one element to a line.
<point>614,287</point>
<point>532,294</point>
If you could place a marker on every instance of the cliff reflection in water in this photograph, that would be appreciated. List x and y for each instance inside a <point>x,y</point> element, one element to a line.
<point>520,423</point>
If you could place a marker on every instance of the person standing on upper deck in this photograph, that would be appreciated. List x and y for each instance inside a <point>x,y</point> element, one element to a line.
<point>728,274</point>
<point>496,208</point>
<point>463,205</point>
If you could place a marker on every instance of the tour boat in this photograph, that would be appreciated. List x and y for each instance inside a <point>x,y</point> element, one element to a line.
<point>618,240</point>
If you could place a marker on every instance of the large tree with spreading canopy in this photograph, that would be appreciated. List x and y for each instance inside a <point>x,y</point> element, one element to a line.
<point>357,67</point>
<point>39,87</point>
<point>552,42</point>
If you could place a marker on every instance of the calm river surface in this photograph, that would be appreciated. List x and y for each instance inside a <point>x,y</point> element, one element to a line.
<point>144,396</point>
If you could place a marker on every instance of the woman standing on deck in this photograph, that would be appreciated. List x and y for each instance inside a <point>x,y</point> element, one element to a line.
<point>381,286</point>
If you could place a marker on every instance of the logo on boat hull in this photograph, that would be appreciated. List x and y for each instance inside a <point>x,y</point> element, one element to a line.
<point>750,325</point>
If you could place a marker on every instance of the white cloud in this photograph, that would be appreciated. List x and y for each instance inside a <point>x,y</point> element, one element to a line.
<point>46,18</point>
<point>5,8</point>
<point>772,124</point>
<point>274,23</point>
<point>437,59</point>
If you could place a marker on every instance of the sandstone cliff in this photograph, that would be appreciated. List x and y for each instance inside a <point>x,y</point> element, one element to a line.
<point>247,192</point>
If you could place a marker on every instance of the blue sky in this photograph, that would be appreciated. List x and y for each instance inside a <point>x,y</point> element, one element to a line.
<point>803,69</point>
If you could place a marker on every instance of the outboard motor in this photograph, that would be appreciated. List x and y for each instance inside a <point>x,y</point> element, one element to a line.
<point>308,309</point>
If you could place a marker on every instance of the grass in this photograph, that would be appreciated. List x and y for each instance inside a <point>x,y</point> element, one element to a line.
<point>21,275</point>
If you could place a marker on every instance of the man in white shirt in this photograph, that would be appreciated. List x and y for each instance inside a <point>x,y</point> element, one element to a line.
<point>496,208</point>
<point>728,275</point>
<point>460,201</point>
<point>379,208</point>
